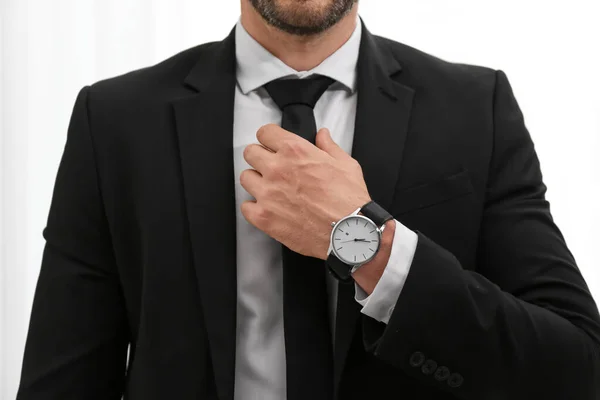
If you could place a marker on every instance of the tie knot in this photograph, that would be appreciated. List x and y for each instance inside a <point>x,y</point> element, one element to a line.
<point>285,92</point>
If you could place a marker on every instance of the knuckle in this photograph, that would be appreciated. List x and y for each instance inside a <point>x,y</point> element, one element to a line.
<point>260,132</point>
<point>245,181</point>
<point>264,130</point>
<point>244,176</point>
<point>262,217</point>
<point>275,170</point>
<point>293,147</point>
<point>247,210</point>
<point>268,192</point>
<point>281,172</point>
<point>355,164</point>
<point>247,151</point>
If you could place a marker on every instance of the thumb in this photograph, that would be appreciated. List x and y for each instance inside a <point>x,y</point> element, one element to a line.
<point>324,142</point>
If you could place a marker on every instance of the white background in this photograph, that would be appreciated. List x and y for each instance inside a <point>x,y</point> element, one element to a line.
<point>50,49</point>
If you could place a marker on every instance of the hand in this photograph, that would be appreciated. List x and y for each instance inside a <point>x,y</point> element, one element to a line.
<point>300,188</point>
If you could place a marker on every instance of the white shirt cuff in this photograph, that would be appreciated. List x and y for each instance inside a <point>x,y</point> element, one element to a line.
<point>380,304</point>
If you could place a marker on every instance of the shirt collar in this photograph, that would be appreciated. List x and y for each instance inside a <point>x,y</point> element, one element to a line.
<point>256,66</point>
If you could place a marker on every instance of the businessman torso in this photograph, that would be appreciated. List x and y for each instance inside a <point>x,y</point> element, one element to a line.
<point>164,147</point>
<point>161,143</point>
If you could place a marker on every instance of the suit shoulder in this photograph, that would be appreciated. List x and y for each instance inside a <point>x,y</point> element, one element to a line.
<point>425,69</point>
<point>145,83</point>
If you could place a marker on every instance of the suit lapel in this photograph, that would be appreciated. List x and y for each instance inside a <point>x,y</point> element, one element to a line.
<point>204,122</point>
<point>382,116</point>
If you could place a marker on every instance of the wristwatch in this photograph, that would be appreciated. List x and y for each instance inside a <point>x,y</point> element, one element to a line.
<point>355,240</point>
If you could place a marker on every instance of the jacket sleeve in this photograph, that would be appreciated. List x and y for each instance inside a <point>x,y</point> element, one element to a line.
<point>77,341</point>
<point>524,324</point>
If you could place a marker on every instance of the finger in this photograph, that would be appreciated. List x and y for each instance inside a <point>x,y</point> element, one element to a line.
<point>258,157</point>
<point>254,214</point>
<point>272,136</point>
<point>252,182</point>
<point>324,142</point>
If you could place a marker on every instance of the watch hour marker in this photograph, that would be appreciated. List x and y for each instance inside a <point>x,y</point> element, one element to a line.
<point>373,230</point>
<point>366,223</point>
<point>340,248</point>
<point>338,239</point>
<point>364,256</point>
<point>355,258</point>
<point>357,222</point>
<point>374,240</point>
<point>370,249</point>
<point>347,223</point>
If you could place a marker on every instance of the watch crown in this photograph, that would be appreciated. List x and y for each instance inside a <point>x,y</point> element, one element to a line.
<point>333,224</point>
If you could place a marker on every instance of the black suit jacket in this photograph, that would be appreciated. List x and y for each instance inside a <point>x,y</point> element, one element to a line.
<point>141,242</point>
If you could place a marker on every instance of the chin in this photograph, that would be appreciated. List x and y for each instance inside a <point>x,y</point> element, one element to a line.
<point>303,17</point>
<point>305,10</point>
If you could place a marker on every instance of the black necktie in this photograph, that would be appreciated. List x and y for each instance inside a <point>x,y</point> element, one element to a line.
<point>308,347</point>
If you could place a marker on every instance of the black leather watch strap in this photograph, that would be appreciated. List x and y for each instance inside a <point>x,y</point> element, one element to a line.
<point>339,269</point>
<point>375,213</point>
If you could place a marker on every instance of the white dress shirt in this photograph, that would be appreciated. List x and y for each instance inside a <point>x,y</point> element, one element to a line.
<point>260,368</point>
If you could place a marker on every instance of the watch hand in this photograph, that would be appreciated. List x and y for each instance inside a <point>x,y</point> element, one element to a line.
<point>355,240</point>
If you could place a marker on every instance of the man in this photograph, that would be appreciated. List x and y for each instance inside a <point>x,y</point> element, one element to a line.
<point>306,211</point>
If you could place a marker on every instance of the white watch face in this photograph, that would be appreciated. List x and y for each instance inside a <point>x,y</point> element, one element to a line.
<point>355,239</point>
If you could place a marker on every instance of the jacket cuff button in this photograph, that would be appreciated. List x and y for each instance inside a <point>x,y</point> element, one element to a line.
<point>416,359</point>
<point>455,380</point>
<point>441,374</point>
<point>429,367</point>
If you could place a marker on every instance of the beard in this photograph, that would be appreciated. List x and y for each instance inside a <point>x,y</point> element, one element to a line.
<point>303,17</point>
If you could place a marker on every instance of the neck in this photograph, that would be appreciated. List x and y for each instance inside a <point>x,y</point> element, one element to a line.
<point>301,53</point>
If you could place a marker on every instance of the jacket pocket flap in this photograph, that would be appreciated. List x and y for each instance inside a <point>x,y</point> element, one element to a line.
<point>429,194</point>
